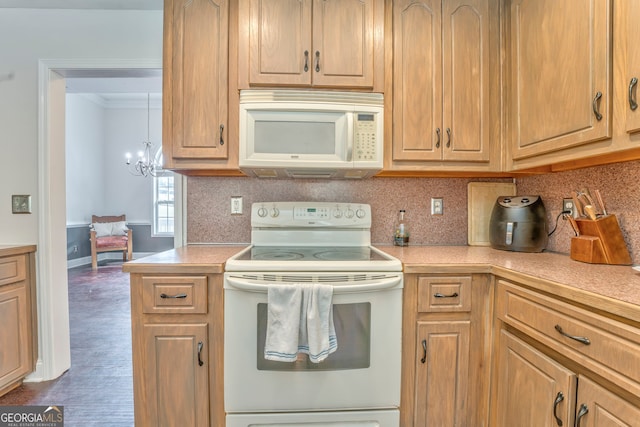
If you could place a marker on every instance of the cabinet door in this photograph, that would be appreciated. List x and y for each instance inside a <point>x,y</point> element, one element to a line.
<point>560,74</point>
<point>15,347</point>
<point>442,374</point>
<point>176,374</point>
<point>633,65</point>
<point>417,80</point>
<point>533,390</point>
<point>280,50</point>
<point>343,42</point>
<point>195,98</point>
<point>598,407</point>
<point>466,55</point>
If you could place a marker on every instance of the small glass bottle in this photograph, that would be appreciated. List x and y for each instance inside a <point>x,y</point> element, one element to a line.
<point>401,237</point>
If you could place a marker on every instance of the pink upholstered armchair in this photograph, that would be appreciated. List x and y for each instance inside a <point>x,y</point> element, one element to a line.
<point>108,234</point>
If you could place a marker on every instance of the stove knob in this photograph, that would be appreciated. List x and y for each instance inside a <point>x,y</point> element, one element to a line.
<point>349,213</point>
<point>360,213</point>
<point>275,212</point>
<point>337,213</point>
<point>262,212</point>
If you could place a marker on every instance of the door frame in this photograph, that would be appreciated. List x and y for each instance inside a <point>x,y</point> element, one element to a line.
<point>52,291</point>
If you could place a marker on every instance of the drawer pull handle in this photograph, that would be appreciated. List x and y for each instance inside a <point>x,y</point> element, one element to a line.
<point>581,413</point>
<point>438,135</point>
<point>439,295</point>
<point>583,340</point>
<point>200,346</point>
<point>306,61</point>
<point>632,102</point>
<point>424,351</point>
<point>178,296</point>
<point>594,105</point>
<point>559,398</point>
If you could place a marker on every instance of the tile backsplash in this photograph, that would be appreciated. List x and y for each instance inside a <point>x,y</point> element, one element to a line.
<point>209,199</point>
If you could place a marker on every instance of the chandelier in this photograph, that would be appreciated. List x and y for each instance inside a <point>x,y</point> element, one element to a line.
<point>147,164</point>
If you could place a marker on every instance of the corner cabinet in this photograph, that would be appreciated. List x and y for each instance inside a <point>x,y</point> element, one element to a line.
<point>560,85</point>
<point>177,340</point>
<point>312,43</point>
<point>196,131</point>
<point>559,364</point>
<point>18,337</point>
<point>446,328</point>
<point>446,86</point>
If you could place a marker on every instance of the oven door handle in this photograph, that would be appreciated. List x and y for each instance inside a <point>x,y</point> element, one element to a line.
<point>368,286</point>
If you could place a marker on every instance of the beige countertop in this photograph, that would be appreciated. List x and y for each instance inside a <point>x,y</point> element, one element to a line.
<point>609,288</point>
<point>8,250</point>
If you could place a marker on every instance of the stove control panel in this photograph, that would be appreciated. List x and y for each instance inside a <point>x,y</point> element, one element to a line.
<point>310,214</point>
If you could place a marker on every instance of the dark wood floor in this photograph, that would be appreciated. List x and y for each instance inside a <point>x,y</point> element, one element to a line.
<point>98,389</point>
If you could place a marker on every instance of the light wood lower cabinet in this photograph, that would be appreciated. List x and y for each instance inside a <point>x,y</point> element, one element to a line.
<point>445,333</point>
<point>18,338</point>
<point>559,364</point>
<point>177,349</point>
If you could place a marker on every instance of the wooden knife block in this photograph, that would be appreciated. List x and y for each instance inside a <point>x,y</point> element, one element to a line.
<point>600,242</point>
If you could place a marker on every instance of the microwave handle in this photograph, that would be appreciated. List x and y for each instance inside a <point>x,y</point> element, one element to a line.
<point>350,135</point>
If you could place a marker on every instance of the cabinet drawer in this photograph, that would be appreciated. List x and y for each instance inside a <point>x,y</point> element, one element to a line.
<point>12,269</point>
<point>606,346</point>
<point>174,294</point>
<point>437,294</point>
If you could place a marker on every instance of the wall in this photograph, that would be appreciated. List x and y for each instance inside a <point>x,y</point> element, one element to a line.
<point>99,133</point>
<point>31,38</point>
<point>208,205</point>
<point>620,188</point>
<point>209,221</point>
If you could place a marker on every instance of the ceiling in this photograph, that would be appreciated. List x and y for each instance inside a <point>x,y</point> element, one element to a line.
<point>83,4</point>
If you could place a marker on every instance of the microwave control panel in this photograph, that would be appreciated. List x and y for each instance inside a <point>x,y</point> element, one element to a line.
<point>365,146</point>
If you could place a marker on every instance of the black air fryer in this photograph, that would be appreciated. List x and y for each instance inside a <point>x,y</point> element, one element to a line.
<point>518,223</point>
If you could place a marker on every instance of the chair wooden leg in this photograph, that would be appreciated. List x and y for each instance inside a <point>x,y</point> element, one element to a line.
<point>94,260</point>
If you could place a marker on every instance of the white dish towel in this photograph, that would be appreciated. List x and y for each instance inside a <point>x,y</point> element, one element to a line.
<point>300,320</point>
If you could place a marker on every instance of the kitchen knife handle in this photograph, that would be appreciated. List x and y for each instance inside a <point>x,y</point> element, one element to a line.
<point>595,105</point>
<point>583,340</point>
<point>438,135</point>
<point>559,398</point>
<point>632,102</point>
<point>306,61</point>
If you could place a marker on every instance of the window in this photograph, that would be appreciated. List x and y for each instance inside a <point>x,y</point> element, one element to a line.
<point>163,202</point>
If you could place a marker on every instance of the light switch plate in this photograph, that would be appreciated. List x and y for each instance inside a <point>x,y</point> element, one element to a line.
<point>21,204</point>
<point>437,206</point>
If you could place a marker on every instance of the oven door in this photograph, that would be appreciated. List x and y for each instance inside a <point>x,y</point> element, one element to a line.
<point>363,373</point>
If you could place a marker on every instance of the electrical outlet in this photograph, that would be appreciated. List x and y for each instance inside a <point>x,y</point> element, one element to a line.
<point>236,205</point>
<point>437,206</point>
<point>568,205</point>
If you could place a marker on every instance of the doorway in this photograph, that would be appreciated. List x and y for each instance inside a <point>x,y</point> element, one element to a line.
<point>53,310</point>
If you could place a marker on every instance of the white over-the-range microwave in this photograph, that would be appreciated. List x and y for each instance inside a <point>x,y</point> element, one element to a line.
<point>311,134</point>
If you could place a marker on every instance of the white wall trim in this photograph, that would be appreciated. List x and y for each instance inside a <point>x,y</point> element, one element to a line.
<point>53,318</point>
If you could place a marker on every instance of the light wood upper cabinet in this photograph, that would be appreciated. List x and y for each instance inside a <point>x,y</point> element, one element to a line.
<point>633,65</point>
<point>314,43</point>
<point>195,86</point>
<point>560,85</point>
<point>443,78</point>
